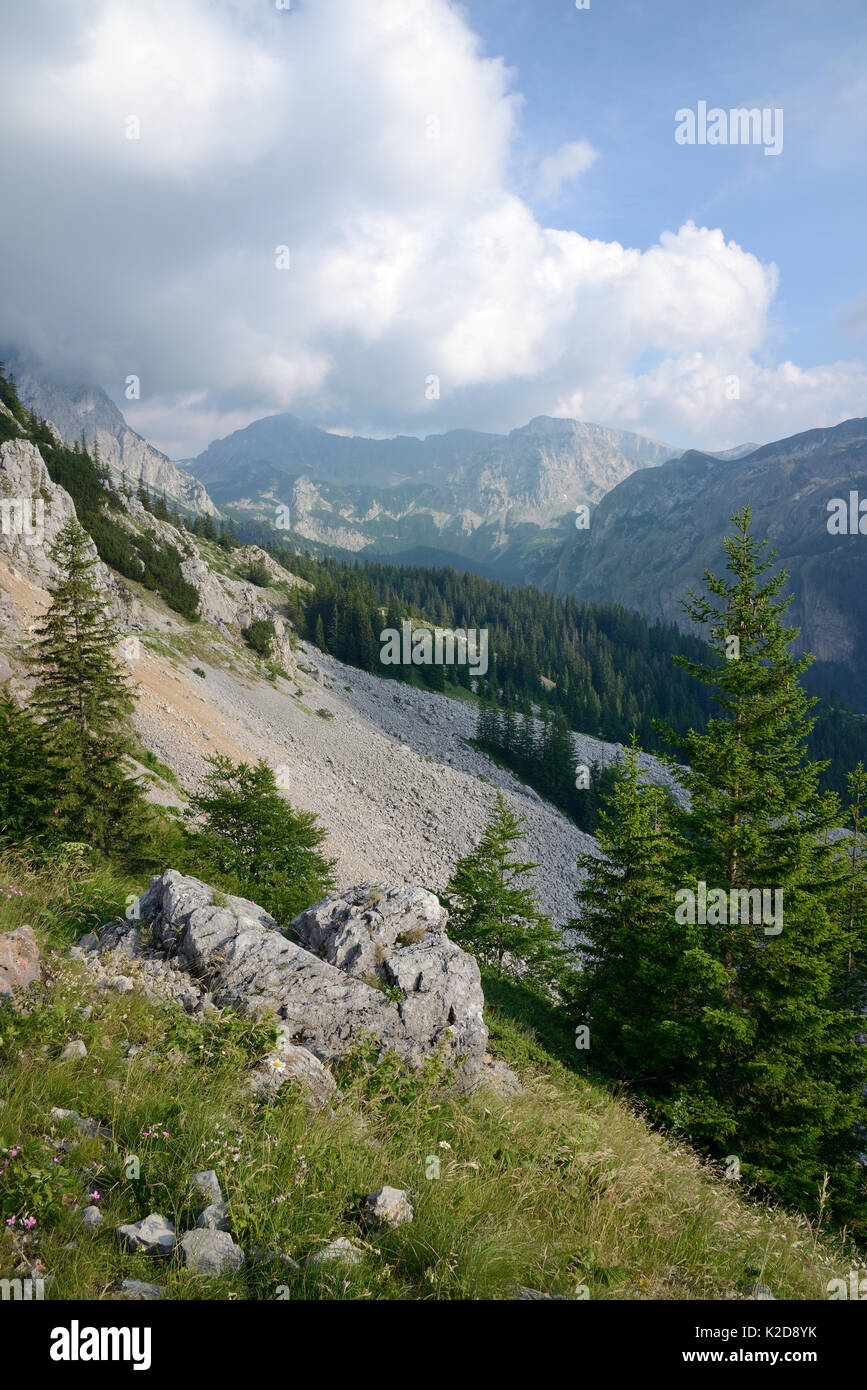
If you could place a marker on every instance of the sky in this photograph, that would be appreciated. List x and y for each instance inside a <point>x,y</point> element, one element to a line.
<point>408,216</point>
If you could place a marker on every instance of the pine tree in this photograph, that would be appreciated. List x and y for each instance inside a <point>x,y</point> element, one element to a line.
<point>852,897</point>
<point>639,976</point>
<point>256,842</point>
<point>780,1071</point>
<point>24,785</point>
<point>493,913</point>
<point>82,696</point>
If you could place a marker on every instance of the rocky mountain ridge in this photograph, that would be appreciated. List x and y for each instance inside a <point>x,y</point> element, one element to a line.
<point>79,408</point>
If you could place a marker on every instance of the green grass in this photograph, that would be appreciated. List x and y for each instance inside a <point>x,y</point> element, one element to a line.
<point>563,1187</point>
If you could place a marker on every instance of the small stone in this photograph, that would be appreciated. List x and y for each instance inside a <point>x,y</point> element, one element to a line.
<point>92,1128</point>
<point>88,942</point>
<point>121,984</point>
<point>215,1217</point>
<point>387,1208</point>
<point>759,1292</point>
<point>340,1251</point>
<point>206,1184</point>
<point>211,1252</point>
<point>259,1257</point>
<point>91,1216</point>
<point>153,1235</point>
<point>136,1288</point>
<point>73,1049</point>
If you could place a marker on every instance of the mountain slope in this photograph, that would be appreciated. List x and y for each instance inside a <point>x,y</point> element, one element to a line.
<point>76,407</point>
<point>653,535</point>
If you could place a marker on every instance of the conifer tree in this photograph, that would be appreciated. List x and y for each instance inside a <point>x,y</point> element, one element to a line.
<point>83,697</point>
<point>256,842</point>
<point>493,913</point>
<point>852,897</point>
<point>780,1073</point>
<point>639,980</point>
<point>24,784</point>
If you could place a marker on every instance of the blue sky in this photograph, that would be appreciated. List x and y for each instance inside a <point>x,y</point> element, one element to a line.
<point>487,213</point>
<point>616,73</point>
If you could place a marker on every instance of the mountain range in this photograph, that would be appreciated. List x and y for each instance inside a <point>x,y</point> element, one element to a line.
<point>504,505</point>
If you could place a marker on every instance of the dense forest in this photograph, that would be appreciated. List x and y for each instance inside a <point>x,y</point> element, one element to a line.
<point>608,673</point>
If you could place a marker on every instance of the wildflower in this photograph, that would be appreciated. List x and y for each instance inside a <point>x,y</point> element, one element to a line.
<point>10,1220</point>
<point>444,1144</point>
<point>29,1222</point>
<point>94,1195</point>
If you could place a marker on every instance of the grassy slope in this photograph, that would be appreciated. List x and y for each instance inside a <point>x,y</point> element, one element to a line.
<point>559,1187</point>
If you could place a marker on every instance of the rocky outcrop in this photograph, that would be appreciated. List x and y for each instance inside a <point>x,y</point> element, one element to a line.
<point>33,509</point>
<point>236,604</point>
<point>19,963</point>
<point>372,963</point>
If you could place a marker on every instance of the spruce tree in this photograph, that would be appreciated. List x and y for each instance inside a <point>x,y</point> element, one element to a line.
<point>258,844</point>
<point>851,900</point>
<point>639,980</point>
<point>24,785</point>
<point>779,1071</point>
<point>493,913</point>
<point>84,700</point>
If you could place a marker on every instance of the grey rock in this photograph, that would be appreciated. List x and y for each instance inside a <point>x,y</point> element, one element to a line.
<point>211,1252</point>
<point>137,1289</point>
<point>19,962</point>
<point>92,1128</point>
<point>88,942</point>
<point>207,1185</point>
<point>153,1235</point>
<point>215,1217</point>
<point>340,1251</point>
<point>91,1216</point>
<point>73,1049</point>
<point>291,1063</point>
<point>500,1078</point>
<point>759,1292</point>
<point>121,984</point>
<point>327,986</point>
<point>387,1208</point>
<point>259,1257</point>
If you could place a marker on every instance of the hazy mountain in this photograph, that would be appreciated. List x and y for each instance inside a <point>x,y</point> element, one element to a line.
<point>486,497</point>
<point>76,406</point>
<point>652,536</point>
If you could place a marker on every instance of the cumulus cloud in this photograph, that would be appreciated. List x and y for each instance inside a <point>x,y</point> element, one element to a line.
<point>373,139</point>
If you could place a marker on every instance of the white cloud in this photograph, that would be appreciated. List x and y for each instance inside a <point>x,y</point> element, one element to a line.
<point>563,166</point>
<point>373,138</point>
